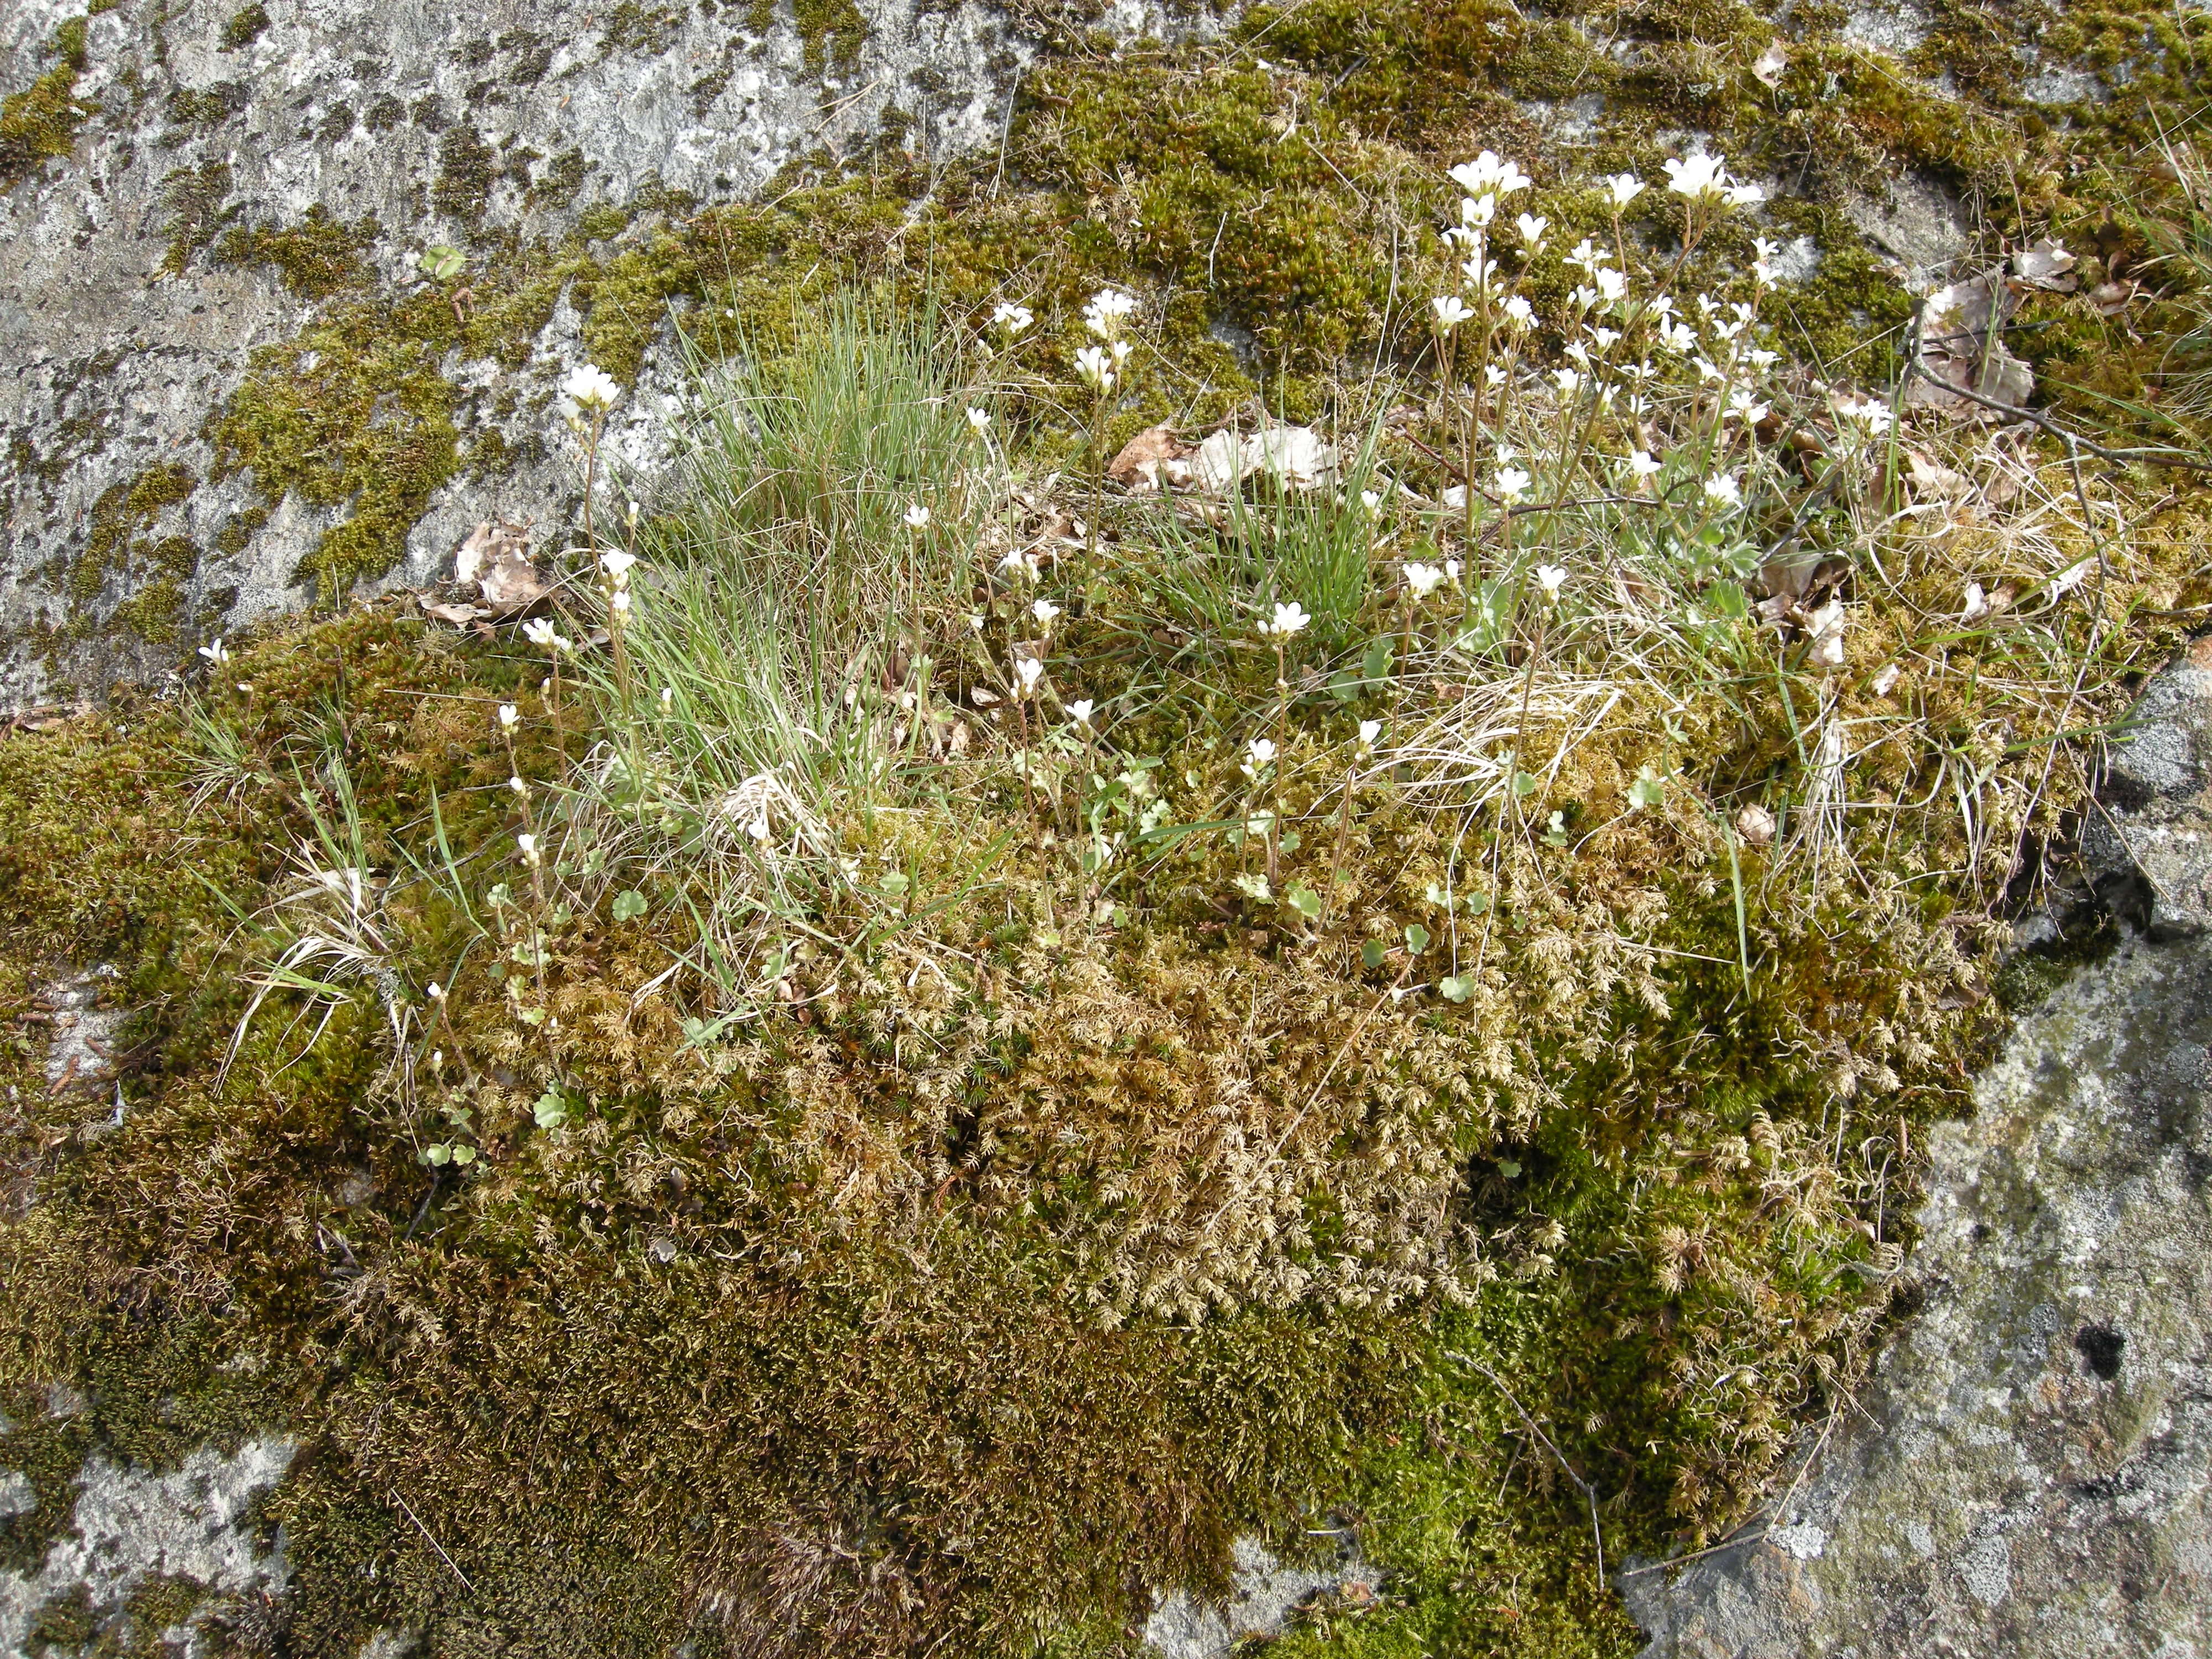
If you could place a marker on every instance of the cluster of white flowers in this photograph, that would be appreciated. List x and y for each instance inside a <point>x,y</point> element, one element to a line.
<point>1107,316</point>
<point>1012,320</point>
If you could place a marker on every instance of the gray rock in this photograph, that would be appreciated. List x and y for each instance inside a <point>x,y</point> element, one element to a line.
<point>1265,1594</point>
<point>119,339</point>
<point>1918,223</point>
<point>2147,846</point>
<point>2030,1472</point>
<point>131,1526</point>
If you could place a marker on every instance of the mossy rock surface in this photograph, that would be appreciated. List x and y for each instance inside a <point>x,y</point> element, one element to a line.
<point>1008,1266</point>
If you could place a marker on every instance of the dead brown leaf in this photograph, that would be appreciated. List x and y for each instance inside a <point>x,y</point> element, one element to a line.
<point>1144,457</point>
<point>1962,349</point>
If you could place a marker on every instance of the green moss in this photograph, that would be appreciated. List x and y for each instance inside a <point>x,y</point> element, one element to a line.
<point>40,121</point>
<point>467,169</point>
<point>194,197</point>
<point>351,414</point>
<point>319,257</point>
<point>244,26</point>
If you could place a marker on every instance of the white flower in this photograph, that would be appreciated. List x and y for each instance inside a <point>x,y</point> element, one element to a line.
<point>1722,490</point>
<point>1478,272</point>
<point>591,387</point>
<point>1423,579</point>
<point>1611,285</point>
<point>1109,308</point>
<point>1258,753</point>
<point>1742,406</point>
<point>1080,711</point>
<point>1512,484</point>
<point>1451,311</point>
<point>1369,730</point>
<point>978,418</point>
<point>1451,571</point>
<point>1044,611</point>
<point>1014,319</point>
<point>1625,188</point>
<point>215,652</point>
<point>1095,368</point>
<point>617,565</point>
<point>976,622</point>
<point>1587,255</point>
<point>437,991</point>
<point>1605,339</point>
<point>1746,195</point>
<point>509,717</point>
<point>1551,578</point>
<point>619,603</point>
<point>1028,670</point>
<point>1643,463</point>
<point>528,843</point>
<point>667,696</point>
<point>1699,177</point>
<point>1566,379</point>
<point>1579,352</point>
<point>1288,619</point>
<point>1583,297</point>
<point>1519,312</point>
<point>1532,230</point>
<point>1479,174</point>
<point>540,632</point>
<point>917,517</point>
<point>1493,374</point>
<point>1120,351</point>
<point>518,786</point>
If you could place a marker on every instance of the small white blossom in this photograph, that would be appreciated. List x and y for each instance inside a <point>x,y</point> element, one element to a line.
<point>1699,176</point>
<point>215,652</point>
<point>518,786</point>
<point>1014,320</point>
<point>591,387</point>
<point>1109,310</point>
<point>1095,368</point>
<point>1532,230</point>
<point>509,717</point>
<point>1643,463</point>
<point>978,418</point>
<point>1519,312</point>
<point>1423,579</point>
<point>1451,311</point>
<point>1722,490</point>
<point>1512,484</point>
<point>1044,611</point>
<point>1551,578</point>
<point>1288,619</point>
<point>528,844</point>
<point>1478,210</point>
<point>618,604</point>
<point>1080,710</point>
<point>618,565</point>
<point>917,517</point>
<point>1625,188</point>
<point>1369,730</point>
<point>1258,753</point>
